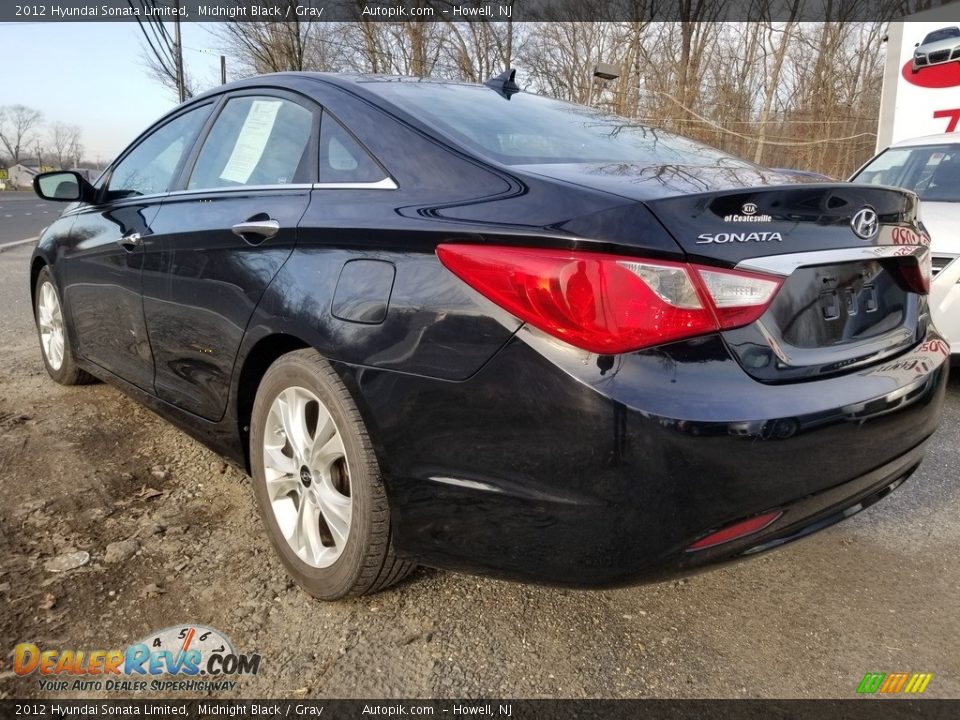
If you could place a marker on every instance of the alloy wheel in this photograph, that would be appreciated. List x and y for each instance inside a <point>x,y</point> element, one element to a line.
<point>307,476</point>
<point>50,320</point>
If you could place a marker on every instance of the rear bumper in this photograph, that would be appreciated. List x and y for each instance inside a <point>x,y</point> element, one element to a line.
<point>559,466</point>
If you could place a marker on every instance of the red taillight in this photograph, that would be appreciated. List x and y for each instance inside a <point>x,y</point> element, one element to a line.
<point>916,273</point>
<point>607,303</point>
<point>736,531</point>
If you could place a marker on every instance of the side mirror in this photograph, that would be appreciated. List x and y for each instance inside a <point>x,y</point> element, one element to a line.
<point>62,186</point>
<point>917,45</point>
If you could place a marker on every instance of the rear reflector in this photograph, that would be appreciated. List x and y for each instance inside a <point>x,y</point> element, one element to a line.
<point>735,531</point>
<point>606,303</point>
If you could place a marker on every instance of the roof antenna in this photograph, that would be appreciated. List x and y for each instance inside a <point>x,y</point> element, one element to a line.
<point>505,83</point>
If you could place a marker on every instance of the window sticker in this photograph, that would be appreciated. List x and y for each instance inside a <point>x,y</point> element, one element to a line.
<point>252,140</point>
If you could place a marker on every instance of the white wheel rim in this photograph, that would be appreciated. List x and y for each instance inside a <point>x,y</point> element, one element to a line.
<point>307,477</point>
<point>50,322</point>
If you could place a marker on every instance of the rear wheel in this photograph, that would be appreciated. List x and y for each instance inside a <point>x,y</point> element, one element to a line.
<point>58,356</point>
<point>317,481</point>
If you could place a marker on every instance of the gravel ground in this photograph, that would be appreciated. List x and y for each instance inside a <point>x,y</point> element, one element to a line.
<point>173,537</point>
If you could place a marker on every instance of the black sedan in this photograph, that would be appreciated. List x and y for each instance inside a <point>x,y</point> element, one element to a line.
<point>479,329</point>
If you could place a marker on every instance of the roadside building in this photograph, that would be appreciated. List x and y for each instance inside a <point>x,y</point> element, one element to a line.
<point>21,176</point>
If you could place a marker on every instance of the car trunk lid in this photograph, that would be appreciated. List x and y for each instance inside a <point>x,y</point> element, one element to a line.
<point>852,257</point>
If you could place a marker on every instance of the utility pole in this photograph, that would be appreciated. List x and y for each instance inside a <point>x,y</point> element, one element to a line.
<point>223,69</point>
<point>178,41</point>
<point>509,58</point>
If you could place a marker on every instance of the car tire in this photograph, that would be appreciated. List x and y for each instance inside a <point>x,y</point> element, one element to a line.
<point>322,500</point>
<point>49,314</point>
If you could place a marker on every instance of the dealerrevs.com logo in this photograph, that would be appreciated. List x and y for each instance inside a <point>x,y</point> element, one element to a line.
<point>894,683</point>
<point>187,658</point>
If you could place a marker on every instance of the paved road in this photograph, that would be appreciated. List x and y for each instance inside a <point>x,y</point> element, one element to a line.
<point>24,215</point>
<point>84,468</point>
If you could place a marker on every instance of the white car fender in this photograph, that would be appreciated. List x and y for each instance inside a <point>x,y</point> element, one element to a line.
<point>941,297</point>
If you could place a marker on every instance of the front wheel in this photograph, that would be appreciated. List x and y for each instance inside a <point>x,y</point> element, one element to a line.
<point>318,483</point>
<point>55,347</point>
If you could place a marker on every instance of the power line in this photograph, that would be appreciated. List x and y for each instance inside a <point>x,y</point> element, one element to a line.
<point>766,141</point>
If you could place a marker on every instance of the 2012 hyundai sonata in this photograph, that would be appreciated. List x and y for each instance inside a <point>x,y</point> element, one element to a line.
<point>475,328</point>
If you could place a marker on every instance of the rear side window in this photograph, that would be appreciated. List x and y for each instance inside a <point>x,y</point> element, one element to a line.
<point>342,158</point>
<point>151,166</point>
<point>256,141</point>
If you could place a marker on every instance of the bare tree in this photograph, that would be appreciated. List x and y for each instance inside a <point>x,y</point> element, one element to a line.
<point>773,75</point>
<point>477,50</point>
<point>61,139</point>
<point>18,129</point>
<point>784,92</point>
<point>263,47</point>
<point>40,153</point>
<point>75,149</point>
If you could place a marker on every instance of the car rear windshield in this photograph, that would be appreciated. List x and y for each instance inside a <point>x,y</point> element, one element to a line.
<point>531,129</point>
<point>931,171</point>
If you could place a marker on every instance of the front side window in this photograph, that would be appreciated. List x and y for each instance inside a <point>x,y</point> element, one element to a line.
<point>931,171</point>
<point>256,141</point>
<point>152,165</point>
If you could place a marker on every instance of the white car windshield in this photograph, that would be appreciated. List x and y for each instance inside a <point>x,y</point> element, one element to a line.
<point>931,171</point>
<point>943,34</point>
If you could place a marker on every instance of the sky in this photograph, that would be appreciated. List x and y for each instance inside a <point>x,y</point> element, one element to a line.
<point>93,75</point>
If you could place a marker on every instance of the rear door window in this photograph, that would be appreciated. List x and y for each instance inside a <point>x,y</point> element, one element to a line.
<point>256,140</point>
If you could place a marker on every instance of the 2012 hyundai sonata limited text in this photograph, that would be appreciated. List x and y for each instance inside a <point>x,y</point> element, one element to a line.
<point>479,329</point>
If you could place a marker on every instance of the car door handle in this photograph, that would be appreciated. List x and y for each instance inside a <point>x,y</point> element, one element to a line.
<point>131,241</point>
<point>261,228</point>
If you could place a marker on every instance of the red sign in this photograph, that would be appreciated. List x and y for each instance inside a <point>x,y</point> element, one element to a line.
<point>953,115</point>
<point>934,76</point>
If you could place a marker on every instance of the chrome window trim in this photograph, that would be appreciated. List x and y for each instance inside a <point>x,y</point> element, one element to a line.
<point>241,189</point>
<point>133,199</point>
<point>785,264</point>
<point>385,184</point>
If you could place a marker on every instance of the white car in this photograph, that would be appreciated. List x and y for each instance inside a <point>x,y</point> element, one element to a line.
<point>930,166</point>
<point>939,47</point>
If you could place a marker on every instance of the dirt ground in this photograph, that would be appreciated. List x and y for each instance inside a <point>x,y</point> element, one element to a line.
<point>86,468</point>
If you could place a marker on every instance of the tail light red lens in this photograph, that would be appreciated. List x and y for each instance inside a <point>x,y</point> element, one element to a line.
<point>917,273</point>
<point>736,531</point>
<point>607,303</point>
